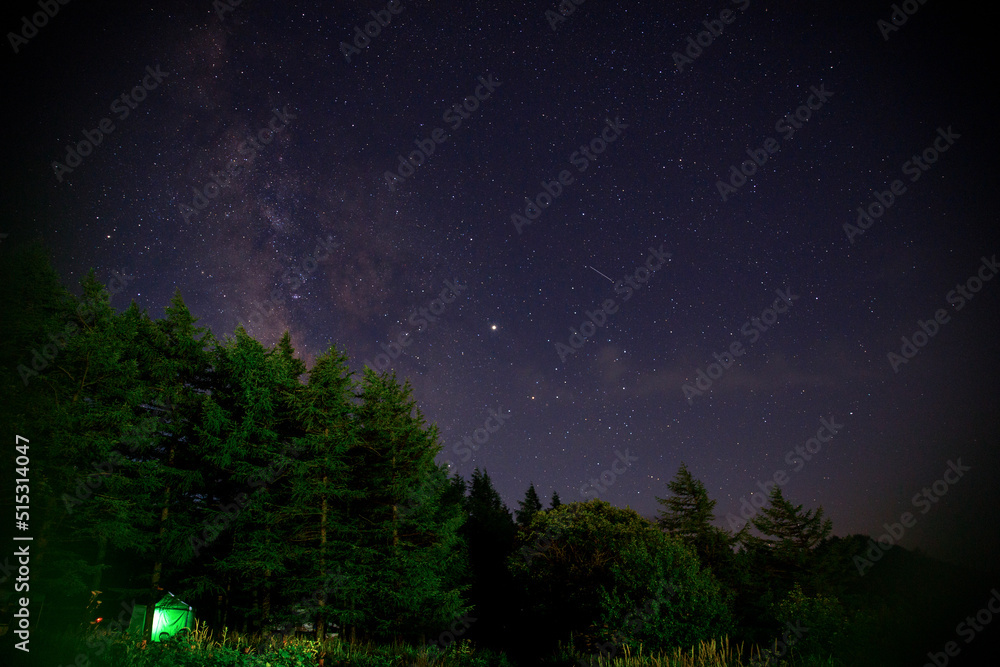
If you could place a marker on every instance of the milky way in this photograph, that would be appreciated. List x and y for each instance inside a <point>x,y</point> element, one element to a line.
<point>330,171</point>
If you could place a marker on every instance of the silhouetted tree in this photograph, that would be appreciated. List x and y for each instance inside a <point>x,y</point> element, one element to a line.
<point>528,507</point>
<point>555,502</point>
<point>489,533</point>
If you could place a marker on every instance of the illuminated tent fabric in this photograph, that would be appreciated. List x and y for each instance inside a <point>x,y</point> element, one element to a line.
<point>170,616</point>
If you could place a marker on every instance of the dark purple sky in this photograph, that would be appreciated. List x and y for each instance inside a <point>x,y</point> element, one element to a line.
<point>247,164</point>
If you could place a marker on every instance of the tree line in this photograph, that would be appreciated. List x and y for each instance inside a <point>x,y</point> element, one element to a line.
<point>268,494</point>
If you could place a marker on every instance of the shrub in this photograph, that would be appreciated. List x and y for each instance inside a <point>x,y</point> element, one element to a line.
<point>611,579</point>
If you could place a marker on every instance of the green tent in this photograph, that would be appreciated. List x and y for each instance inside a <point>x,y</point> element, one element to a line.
<point>170,616</point>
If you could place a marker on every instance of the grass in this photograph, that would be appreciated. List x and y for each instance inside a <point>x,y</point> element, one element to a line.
<point>712,653</point>
<point>202,648</point>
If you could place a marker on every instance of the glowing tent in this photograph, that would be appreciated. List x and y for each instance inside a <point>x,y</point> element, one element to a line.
<point>170,616</point>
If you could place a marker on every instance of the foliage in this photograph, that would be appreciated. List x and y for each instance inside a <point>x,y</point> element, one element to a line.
<point>489,534</point>
<point>556,501</point>
<point>687,513</point>
<point>709,653</point>
<point>608,575</point>
<point>528,507</point>
<point>824,618</point>
<point>268,495</point>
<point>201,649</point>
<point>788,526</point>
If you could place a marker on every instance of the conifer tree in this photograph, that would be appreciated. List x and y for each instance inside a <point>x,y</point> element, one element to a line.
<point>489,533</point>
<point>409,548</point>
<point>176,368</point>
<point>788,526</point>
<point>323,531</point>
<point>93,496</point>
<point>687,513</point>
<point>249,437</point>
<point>528,507</point>
<point>790,536</point>
<point>556,501</point>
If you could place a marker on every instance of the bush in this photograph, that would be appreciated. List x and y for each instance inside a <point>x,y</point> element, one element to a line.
<point>610,579</point>
<point>823,616</point>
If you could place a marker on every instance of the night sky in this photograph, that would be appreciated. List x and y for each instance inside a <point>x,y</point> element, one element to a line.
<point>255,157</point>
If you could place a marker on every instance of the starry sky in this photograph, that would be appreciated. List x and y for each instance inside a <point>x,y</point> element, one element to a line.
<point>472,188</point>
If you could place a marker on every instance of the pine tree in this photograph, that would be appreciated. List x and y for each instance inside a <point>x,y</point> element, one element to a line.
<point>555,502</point>
<point>788,526</point>
<point>322,529</point>
<point>93,395</point>
<point>249,440</point>
<point>528,507</point>
<point>790,536</point>
<point>176,368</point>
<point>688,513</point>
<point>409,549</point>
<point>489,533</point>
<point>104,473</point>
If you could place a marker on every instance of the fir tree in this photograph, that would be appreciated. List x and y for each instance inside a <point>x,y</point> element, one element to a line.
<point>788,526</point>
<point>528,507</point>
<point>790,536</point>
<point>687,514</point>
<point>555,502</point>
<point>248,444</point>
<point>409,550</point>
<point>489,533</point>
<point>177,369</point>
<point>317,507</point>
